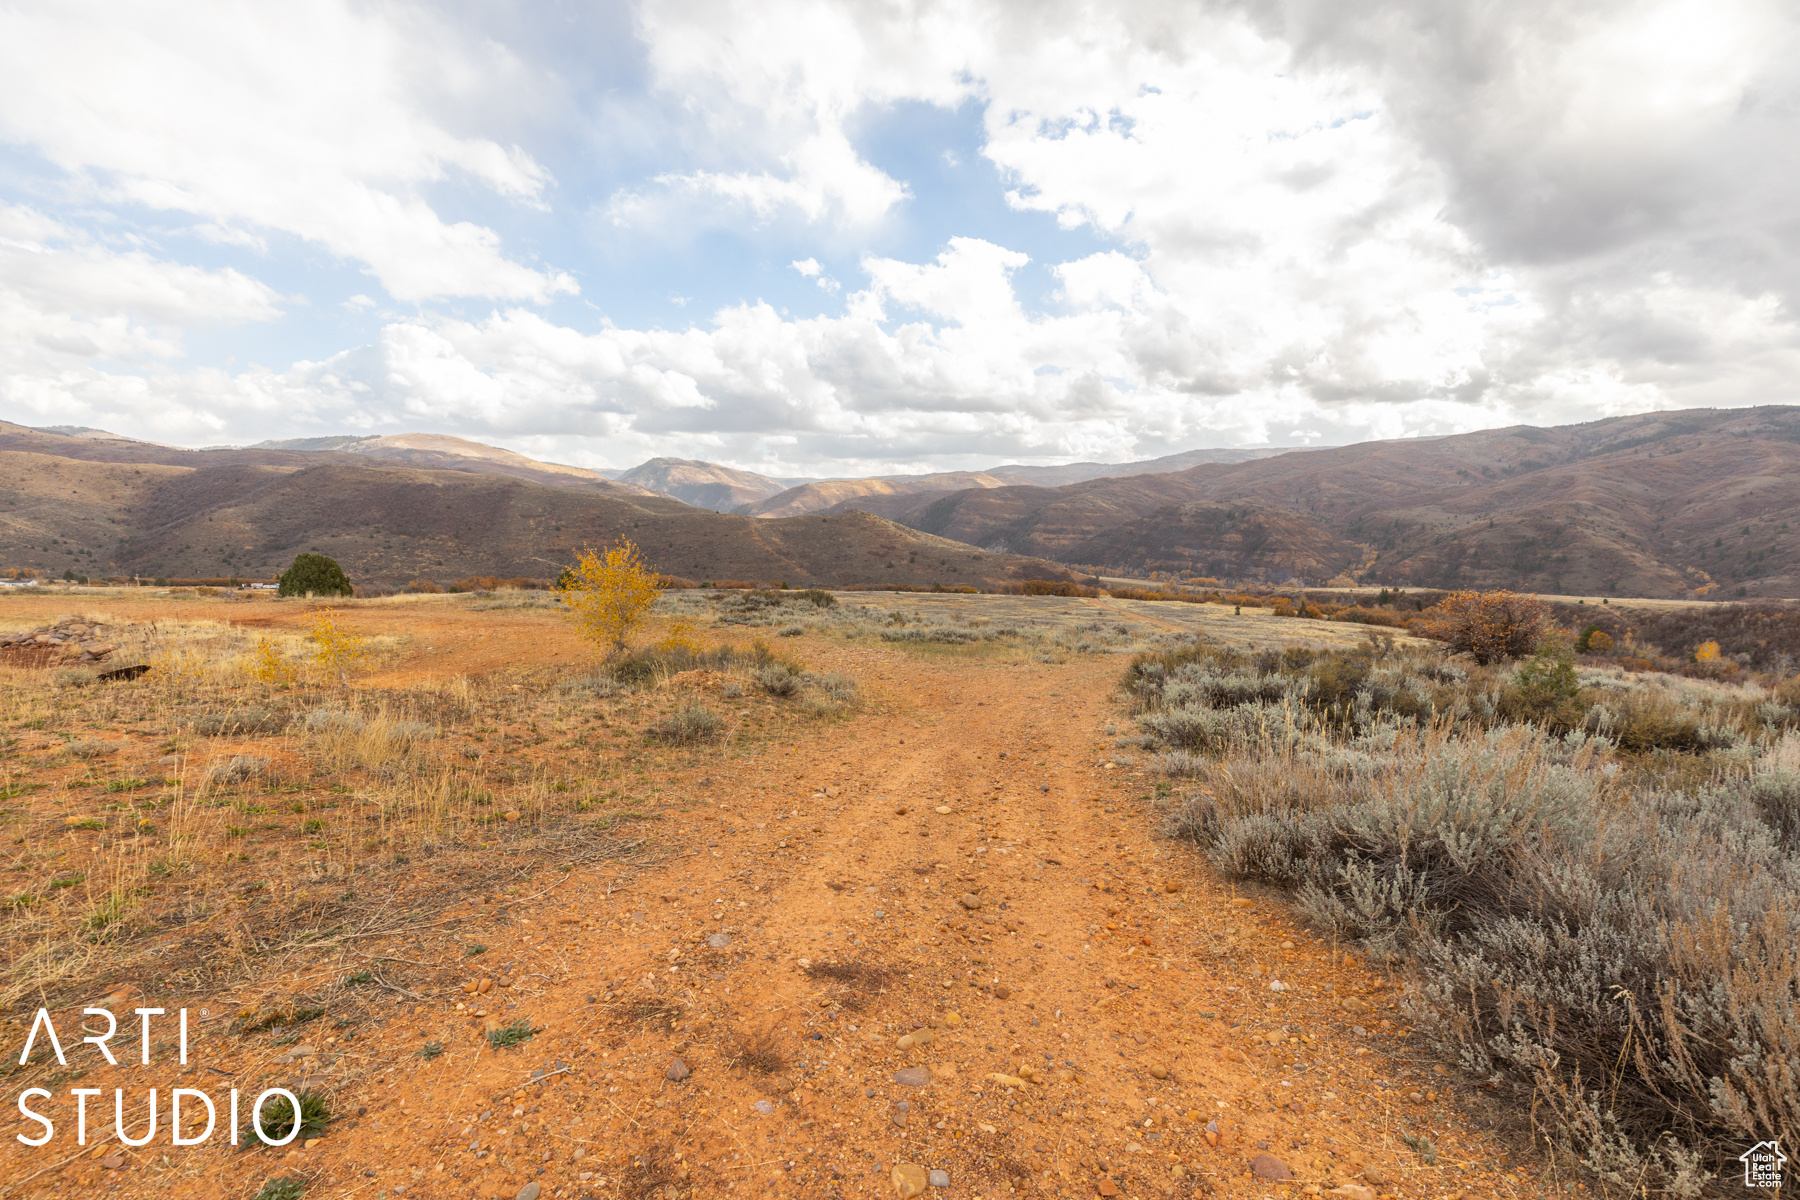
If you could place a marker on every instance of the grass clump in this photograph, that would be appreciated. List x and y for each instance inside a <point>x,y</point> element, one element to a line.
<point>691,723</point>
<point>653,665</point>
<point>516,1034</point>
<point>287,1187</point>
<point>239,722</point>
<point>278,1118</point>
<point>239,768</point>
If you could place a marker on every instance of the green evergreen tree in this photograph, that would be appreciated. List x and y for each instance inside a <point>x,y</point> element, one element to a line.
<point>317,574</point>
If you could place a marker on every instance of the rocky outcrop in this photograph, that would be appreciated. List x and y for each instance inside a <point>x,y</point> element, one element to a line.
<point>70,639</point>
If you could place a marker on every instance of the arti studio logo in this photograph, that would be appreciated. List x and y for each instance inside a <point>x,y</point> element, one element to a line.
<point>176,1126</point>
<point>1762,1165</point>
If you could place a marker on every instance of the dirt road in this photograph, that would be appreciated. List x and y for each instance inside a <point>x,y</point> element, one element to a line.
<point>941,934</point>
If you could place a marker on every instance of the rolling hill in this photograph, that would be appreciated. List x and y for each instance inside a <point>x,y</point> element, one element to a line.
<point>702,484</point>
<point>441,452</point>
<point>880,490</point>
<point>861,493</point>
<point>1663,504</point>
<point>112,506</point>
<point>1695,502</point>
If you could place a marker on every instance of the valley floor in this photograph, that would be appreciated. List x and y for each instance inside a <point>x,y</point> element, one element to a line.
<point>961,855</point>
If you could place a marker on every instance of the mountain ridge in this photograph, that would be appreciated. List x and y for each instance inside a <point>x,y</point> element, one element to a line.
<point>122,508</point>
<point>1695,501</point>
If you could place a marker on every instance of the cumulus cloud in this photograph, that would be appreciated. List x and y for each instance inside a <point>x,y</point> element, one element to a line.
<point>308,118</point>
<point>70,303</point>
<point>1318,220</point>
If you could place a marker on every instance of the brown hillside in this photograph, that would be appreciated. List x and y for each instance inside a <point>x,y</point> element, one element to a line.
<point>860,493</point>
<point>1662,504</point>
<point>441,452</point>
<point>1044,521</point>
<point>232,513</point>
<point>1225,542</point>
<point>702,484</point>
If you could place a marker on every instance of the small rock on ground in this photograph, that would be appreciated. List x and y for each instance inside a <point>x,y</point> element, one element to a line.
<point>912,1076</point>
<point>677,1071</point>
<point>939,1179</point>
<point>719,941</point>
<point>530,1191</point>
<point>909,1179</point>
<point>1267,1166</point>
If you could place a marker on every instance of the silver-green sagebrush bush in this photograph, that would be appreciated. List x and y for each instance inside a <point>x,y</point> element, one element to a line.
<point>1594,881</point>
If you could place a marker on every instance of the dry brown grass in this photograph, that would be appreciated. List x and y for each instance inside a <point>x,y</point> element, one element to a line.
<point>221,820</point>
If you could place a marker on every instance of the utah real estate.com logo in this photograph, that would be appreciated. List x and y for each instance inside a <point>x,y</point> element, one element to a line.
<point>1762,1165</point>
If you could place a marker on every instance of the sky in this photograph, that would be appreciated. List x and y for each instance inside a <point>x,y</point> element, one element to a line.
<point>810,238</point>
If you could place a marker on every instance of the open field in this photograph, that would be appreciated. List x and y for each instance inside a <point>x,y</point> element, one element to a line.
<point>903,878</point>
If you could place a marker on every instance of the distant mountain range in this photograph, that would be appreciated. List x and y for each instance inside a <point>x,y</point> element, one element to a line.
<point>725,489</point>
<point>416,506</point>
<point>441,452</point>
<point>1695,502</point>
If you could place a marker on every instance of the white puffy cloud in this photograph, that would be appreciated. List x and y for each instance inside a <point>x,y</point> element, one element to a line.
<point>69,302</point>
<point>1319,220</point>
<point>311,118</point>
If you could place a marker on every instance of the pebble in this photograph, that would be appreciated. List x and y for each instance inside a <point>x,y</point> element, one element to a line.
<point>719,941</point>
<point>969,900</point>
<point>677,1071</point>
<point>912,1076</point>
<point>909,1179</point>
<point>939,1178</point>
<point>1002,992</point>
<point>530,1191</point>
<point>764,1106</point>
<point>1267,1166</point>
<point>1159,1072</point>
<point>1375,1176</point>
<point>113,1162</point>
<point>1352,1191</point>
<point>1275,985</point>
<point>512,814</point>
<point>943,808</point>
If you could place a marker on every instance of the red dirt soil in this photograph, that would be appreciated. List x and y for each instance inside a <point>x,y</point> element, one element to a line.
<point>1094,1011</point>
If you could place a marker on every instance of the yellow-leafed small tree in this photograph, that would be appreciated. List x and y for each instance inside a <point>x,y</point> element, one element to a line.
<point>267,664</point>
<point>335,649</point>
<point>609,595</point>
